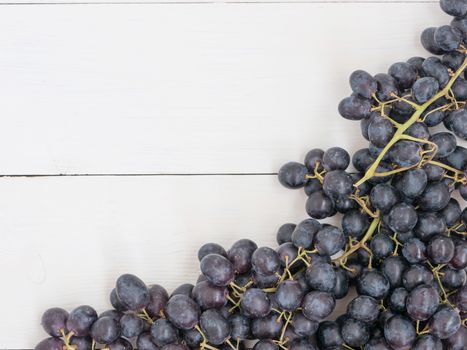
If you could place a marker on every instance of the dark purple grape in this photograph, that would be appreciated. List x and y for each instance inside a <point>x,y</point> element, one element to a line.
<point>424,89</point>
<point>319,206</point>
<point>435,197</point>
<point>163,332</point>
<point>80,320</point>
<point>293,175</point>
<point>304,233</point>
<point>105,330</point>
<point>265,281</point>
<point>318,305</point>
<point>383,197</point>
<point>381,245</point>
<point>265,261</point>
<point>192,338</point>
<point>441,250</point>
<point>416,275</point>
<point>453,60</point>
<point>387,86</point>
<point>414,251</point>
<point>455,8</point>
<point>146,342</point>
<point>255,303</point>
<point>115,302</point>
<point>399,332</point>
<point>239,326</point>
<point>404,74</point>
<point>214,326</point>
<point>132,292</point>
<point>354,107</point>
<point>240,255</point>
<point>342,284</point>
<point>452,279</point>
<point>433,67</point>
<point>446,143</point>
<point>354,332</point>
<point>54,321</point>
<point>402,217</point>
<point>433,172</point>
<point>120,344</point>
<point>158,297</point>
<point>429,225</point>
<point>456,121</point>
<point>185,289</point>
<point>329,240</point>
<point>284,234</point>
<point>209,296</point>
<point>182,311</point>
<point>459,90</point>
<point>397,300</point>
<point>81,343</point>
<point>458,340</point>
<point>459,261</point>
<point>131,325</point>
<point>321,276</point>
<point>329,334</point>
<point>314,159</point>
<point>458,158</point>
<point>448,38</point>
<point>116,315</point>
<point>405,153</point>
<point>266,344</point>
<point>445,322</point>
<point>336,158</point>
<point>268,327</point>
<point>303,326</point>
<point>211,248</point>
<point>363,84</point>
<point>422,302</point>
<point>355,224</point>
<point>50,344</point>
<point>287,253</point>
<point>428,41</point>
<point>218,269</point>
<point>461,24</point>
<point>392,268</point>
<point>364,308</point>
<point>313,185</point>
<point>337,184</point>
<point>373,283</point>
<point>428,342</point>
<point>362,159</point>
<point>289,295</point>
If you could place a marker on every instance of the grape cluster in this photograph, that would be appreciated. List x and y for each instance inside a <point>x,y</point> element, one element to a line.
<point>401,242</point>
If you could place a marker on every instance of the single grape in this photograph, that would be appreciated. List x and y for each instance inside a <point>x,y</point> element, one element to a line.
<point>314,159</point>
<point>337,184</point>
<point>405,153</point>
<point>364,308</point>
<point>239,326</point>
<point>342,284</point>
<point>289,295</point>
<point>457,341</point>
<point>105,330</point>
<point>284,234</point>
<point>382,246</point>
<point>50,344</point>
<point>80,320</point>
<point>318,305</point>
<point>441,250</point>
<point>265,261</point>
<point>404,74</point>
<point>255,303</point>
<point>424,89</point>
<point>402,217</point>
<point>303,326</point>
<point>132,292</point>
<point>397,300</point>
<point>321,276</point>
<point>433,67</point>
<point>131,325</point>
<point>422,302</point>
<point>240,255</point>
<point>354,107</point>
<point>362,83</point>
<point>304,233</point>
<point>158,298</point>
<point>214,326</point>
<point>448,38</point>
<point>217,269</point>
<point>414,251</point>
<point>81,343</point>
<point>416,275</point>
<point>428,342</point>
<point>429,43</point>
<point>54,321</point>
<point>293,175</point>
<point>383,197</point>
<point>211,248</point>
<point>399,332</point>
<point>455,8</point>
<point>393,268</point>
<point>354,332</point>
<point>362,159</point>
<point>445,322</point>
<point>373,283</point>
<point>429,225</point>
<point>146,342</point>
<point>329,240</point>
<point>319,206</point>
<point>387,86</point>
<point>329,334</point>
<point>182,311</point>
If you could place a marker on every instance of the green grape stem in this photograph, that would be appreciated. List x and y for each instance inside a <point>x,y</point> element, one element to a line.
<point>399,134</point>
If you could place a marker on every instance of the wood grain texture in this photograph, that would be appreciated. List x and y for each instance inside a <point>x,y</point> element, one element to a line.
<point>65,240</point>
<point>188,88</point>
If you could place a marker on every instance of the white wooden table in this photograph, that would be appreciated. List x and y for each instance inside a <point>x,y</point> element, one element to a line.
<point>166,122</point>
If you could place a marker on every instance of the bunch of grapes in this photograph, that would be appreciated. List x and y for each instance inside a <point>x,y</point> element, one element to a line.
<point>401,242</point>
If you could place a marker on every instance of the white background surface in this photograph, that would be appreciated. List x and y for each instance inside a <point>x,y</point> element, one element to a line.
<point>227,89</point>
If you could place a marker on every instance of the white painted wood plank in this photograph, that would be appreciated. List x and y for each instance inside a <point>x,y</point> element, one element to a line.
<point>188,88</point>
<point>65,240</point>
